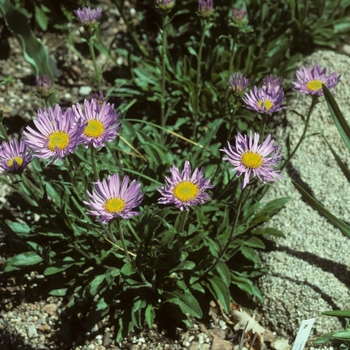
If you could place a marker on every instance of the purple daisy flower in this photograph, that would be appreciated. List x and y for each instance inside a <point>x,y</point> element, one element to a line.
<point>58,133</point>
<point>113,198</point>
<point>205,8</point>
<point>101,121</point>
<point>247,157</point>
<point>310,80</point>
<point>266,100</point>
<point>14,156</point>
<point>185,190</point>
<point>239,83</point>
<point>86,15</point>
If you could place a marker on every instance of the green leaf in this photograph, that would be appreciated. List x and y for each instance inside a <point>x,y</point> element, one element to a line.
<point>224,273</point>
<point>254,242</point>
<point>245,284</point>
<point>150,315</point>
<point>337,313</point>
<point>341,225</point>
<point>187,303</point>
<point>21,261</point>
<point>183,266</point>
<point>339,120</point>
<point>342,335</point>
<point>41,18</point>
<point>61,292</point>
<point>96,284</point>
<point>220,291</point>
<point>268,231</point>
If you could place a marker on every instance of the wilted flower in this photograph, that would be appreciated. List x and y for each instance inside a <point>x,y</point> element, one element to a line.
<point>99,97</point>
<point>14,156</point>
<point>273,80</point>
<point>205,8</point>
<point>239,83</point>
<point>58,133</point>
<point>164,6</point>
<point>249,158</point>
<point>101,121</point>
<point>112,198</point>
<point>264,100</point>
<point>238,17</point>
<point>88,16</point>
<point>185,190</point>
<point>44,86</point>
<point>310,80</point>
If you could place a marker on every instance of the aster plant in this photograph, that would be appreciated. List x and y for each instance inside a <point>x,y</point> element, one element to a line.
<point>253,160</point>
<point>14,156</point>
<point>264,100</point>
<point>113,198</point>
<point>185,189</point>
<point>309,81</point>
<point>87,15</point>
<point>58,133</point>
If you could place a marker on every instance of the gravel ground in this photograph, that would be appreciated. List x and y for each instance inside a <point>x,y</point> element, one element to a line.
<point>309,270</point>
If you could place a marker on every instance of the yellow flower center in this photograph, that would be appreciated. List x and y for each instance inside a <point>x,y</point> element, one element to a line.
<point>185,191</point>
<point>265,104</point>
<point>314,85</point>
<point>115,205</point>
<point>18,160</point>
<point>58,139</point>
<point>94,128</point>
<point>252,160</point>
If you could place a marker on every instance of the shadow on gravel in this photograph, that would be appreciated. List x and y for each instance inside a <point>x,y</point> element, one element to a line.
<point>10,341</point>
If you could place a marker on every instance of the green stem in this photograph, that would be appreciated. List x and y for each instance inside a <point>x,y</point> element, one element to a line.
<point>234,225</point>
<point>165,19</point>
<point>71,172</point>
<point>313,104</point>
<point>198,81</point>
<point>263,125</point>
<point>92,53</point>
<point>2,128</point>
<point>29,186</point>
<point>131,261</point>
<point>183,217</point>
<point>233,114</point>
<point>93,162</point>
<point>130,29</point>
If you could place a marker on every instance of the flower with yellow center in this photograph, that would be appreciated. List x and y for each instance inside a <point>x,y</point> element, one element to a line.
<point>57,134</point>
<point>115,205</point>
<point>265,105</point>
<point>58,139</point>
<point>266,100</point>
<point>101,121</point>
<point>314,85</point>
<point>114,198</point>
<point>185,189</point>
<point>14,156</point>
<point>15,160</point>
<point>310,80</point>
<point>251,159</point>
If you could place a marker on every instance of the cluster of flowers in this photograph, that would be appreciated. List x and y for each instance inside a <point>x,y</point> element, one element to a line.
<point>270,97</point>
<point>60,132</point>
